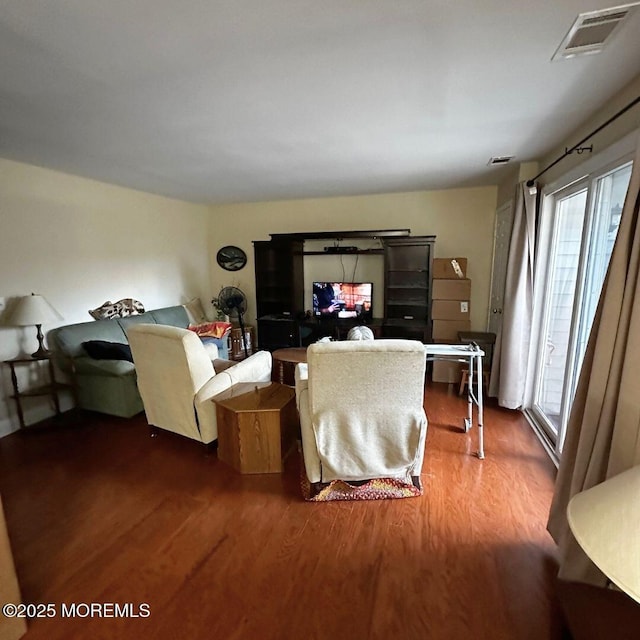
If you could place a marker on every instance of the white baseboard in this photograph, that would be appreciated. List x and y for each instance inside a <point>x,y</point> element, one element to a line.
<point>37,412</point>
<point>7,427</point>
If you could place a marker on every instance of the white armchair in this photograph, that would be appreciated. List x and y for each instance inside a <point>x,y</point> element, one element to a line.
<point>361,406</point>
<point>177,380</point>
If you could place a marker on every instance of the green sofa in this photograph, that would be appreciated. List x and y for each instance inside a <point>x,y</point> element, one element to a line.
<point>109,385</point>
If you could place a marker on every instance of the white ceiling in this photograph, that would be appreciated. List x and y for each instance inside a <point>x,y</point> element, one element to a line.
<point>233,100</point>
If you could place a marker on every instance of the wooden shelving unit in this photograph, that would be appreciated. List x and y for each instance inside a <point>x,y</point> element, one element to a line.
<point>407,288</point>
<point>280,278</point>
<point>340,252</point>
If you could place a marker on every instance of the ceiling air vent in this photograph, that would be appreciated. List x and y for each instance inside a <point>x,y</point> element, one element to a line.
<point>500,160</point>
<point>592,30</point>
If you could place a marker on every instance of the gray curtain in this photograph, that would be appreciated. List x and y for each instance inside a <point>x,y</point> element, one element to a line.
<point>511,353</point>
<point>603,433</point>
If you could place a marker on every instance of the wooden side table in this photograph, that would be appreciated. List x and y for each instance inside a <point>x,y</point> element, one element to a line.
<point>257,425</point>
<point>52,388</point>
<point>236,343</point>
<point>284,364</point>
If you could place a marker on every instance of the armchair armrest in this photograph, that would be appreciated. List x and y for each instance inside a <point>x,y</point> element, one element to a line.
<point>309,448</point>
<point>255,368</point>
<point>302,381</point>
<point>220,364</point>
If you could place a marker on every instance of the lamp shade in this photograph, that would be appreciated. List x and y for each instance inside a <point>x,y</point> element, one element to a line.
<point>605,521</point>
<point>33,310</point>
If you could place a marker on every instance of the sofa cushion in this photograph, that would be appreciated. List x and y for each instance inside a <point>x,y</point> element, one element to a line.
<point>146,318</point>
<point>69,339</point>
<point>195,311</point>
<point>173,316</point>
<point>104,350</point>
<point>90,366</point>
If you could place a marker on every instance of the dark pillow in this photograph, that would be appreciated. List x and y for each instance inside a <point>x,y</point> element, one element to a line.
<point>104,350</point>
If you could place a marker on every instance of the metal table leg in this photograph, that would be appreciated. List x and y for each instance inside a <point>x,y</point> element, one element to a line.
<point>480,409</point>
<point>468,421</point>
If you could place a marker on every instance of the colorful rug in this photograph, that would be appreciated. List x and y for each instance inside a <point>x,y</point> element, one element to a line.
<point>376,489</point>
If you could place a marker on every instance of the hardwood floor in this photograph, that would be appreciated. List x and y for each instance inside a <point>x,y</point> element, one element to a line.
<point>100,512</point>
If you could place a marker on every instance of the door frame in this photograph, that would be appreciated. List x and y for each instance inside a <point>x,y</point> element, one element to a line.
<point>507,207</point>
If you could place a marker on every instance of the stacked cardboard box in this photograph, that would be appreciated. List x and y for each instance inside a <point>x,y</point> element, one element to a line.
<point>450,311</point>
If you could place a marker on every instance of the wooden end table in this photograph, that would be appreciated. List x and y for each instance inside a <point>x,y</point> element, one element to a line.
<point>257,426</point>
<point>236,343</point>
<point>284,364</point>
<point>52,388</point>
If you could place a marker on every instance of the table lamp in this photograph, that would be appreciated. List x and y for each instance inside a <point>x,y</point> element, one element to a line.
<point>605,521</point>
<point>34,310</point>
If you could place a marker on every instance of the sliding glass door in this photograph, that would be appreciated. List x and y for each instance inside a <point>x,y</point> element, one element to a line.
<point>610,191</point>
<point>578,228</point>
<point>565,235</point>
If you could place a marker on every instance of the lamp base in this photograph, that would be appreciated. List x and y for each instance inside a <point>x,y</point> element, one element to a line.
<point>42,351</point>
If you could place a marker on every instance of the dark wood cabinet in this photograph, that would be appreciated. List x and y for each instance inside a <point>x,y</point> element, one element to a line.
<point>279,292</point>
<point>278,332</point>
<point>279,277</point>
<point>407,287</point>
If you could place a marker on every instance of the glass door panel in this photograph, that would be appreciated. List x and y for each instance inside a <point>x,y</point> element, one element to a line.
<point>562,278</point>
<point>610,192</point>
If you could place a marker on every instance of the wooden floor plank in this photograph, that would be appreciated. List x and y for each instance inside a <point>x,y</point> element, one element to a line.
<point>101,512</point>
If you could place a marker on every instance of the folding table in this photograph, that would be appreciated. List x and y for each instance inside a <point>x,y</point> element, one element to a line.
<point>471,354</point>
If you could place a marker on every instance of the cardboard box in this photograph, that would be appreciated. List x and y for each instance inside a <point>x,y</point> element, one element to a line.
<point>444,371</point>
<point>444,268</point>
<point>450,310</point>
<point>447,330</point>
<point>451,289</point>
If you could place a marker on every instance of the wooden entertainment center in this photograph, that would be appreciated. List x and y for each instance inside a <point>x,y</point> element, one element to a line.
<point>279,271</point>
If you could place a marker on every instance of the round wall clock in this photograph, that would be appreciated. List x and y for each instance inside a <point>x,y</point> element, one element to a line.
<point>231,258</point>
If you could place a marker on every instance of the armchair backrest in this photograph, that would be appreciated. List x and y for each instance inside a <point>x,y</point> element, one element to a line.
<point>172,365</point>
<point>366,402</point>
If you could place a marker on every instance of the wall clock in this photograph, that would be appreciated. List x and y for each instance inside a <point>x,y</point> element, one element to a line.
<point>231,258</point>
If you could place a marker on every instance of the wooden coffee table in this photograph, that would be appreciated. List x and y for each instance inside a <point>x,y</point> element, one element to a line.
<point>284,364</point>
<point>257,426</point>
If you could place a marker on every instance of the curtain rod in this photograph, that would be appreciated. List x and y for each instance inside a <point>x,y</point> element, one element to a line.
<point>567,152</point>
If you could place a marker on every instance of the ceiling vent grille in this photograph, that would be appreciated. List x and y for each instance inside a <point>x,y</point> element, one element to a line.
<point>592,30</point>
<point>500,160</point>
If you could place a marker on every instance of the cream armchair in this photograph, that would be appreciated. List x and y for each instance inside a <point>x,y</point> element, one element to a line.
<point>177,380</point>
<point>361,410</point>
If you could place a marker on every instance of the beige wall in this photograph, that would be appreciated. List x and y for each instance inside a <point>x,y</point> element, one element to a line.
<point>79,243</point>
<point>628,122</point>
<point>461,219</point>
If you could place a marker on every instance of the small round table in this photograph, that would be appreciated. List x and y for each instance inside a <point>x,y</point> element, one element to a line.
<point>284,364</point>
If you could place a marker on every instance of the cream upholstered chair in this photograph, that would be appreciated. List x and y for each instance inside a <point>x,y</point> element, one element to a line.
<point>361,410</point>
<point>177,380</point>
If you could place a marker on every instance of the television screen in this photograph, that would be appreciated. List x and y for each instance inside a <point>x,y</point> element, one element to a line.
<point>342,299</point>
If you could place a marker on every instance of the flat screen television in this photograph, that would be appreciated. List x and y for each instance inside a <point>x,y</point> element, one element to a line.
<point>342,299</point>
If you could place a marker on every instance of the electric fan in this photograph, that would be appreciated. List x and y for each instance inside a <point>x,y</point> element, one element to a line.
<point>233,302</point>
